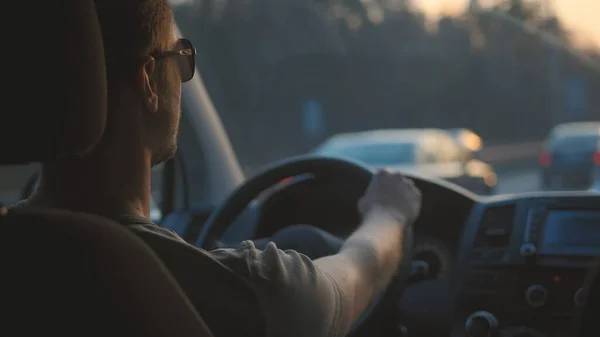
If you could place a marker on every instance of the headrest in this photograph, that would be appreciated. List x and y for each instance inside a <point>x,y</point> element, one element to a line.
<point>55,79</point>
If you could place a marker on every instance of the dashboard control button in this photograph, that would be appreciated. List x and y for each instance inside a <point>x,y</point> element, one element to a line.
<point>528,250</point>
<point>481,324</point>
<point>536,296</point>
<point>579,297</point>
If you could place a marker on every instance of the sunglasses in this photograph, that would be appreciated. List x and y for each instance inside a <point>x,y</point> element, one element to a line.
<point>185,55</point>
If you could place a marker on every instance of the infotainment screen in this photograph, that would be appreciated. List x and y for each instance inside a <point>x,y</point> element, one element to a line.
<point>571,232</point>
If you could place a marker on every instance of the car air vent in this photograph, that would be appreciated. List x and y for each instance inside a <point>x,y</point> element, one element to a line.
<point>495,227</point>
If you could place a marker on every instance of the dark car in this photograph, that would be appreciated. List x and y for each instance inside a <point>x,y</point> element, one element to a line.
<point>571,156</point>
<point>425,151</point>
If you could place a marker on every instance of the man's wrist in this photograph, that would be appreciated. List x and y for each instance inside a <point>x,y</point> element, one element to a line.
<point>382,214</point>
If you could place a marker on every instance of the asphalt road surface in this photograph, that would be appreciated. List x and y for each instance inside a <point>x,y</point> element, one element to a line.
<point>518,181</point>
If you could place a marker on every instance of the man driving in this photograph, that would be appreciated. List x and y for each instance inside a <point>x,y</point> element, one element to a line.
<point>146,64</point>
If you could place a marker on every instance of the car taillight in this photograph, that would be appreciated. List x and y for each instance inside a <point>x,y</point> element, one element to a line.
<point>545,159</point>
<point>596,158</point>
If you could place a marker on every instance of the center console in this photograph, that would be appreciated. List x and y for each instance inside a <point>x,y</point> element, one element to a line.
<point>522,265</point>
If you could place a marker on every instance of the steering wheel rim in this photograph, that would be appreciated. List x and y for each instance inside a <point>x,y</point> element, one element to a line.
<point>234,205</point>
<point>222,217</point>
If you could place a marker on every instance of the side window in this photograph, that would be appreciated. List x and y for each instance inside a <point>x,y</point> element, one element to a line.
<point>179,183</point>
<point>191,187</point>
<point>156,201</point>
<point>168,188</point>
<point>15,180</point>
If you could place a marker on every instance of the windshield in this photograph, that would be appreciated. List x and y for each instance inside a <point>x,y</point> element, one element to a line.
<point>509,75</point>
<point>377,154</point>
<point>285,76</point>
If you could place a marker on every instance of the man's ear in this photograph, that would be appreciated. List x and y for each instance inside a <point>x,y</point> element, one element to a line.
<point>146,84</point>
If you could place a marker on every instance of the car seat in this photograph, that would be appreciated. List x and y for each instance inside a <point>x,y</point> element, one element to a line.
<point>66,273</point>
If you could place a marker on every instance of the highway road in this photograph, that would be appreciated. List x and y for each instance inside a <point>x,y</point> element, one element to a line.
<point>518,180</point>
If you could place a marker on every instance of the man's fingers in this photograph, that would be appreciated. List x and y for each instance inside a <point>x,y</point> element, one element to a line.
<point>397,178</point>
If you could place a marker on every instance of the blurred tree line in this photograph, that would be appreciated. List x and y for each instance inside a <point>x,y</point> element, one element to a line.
<point>381,64</point>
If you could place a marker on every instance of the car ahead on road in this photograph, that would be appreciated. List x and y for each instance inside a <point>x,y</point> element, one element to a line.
<point>468,141</point>
<point>470,145</point>
<point>425,151</point>
<point>571,157</point>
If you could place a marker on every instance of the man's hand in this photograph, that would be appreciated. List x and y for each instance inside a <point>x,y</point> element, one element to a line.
<point>391,194</point>
<point>370,256</point>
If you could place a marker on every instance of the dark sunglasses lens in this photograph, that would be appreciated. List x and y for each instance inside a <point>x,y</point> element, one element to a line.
<point>187,62</point>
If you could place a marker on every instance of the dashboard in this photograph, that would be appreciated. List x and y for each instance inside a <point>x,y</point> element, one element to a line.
<point>505,266</point>
<point>522,264</point>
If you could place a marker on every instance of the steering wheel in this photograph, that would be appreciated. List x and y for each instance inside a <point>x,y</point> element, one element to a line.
<point>357,175</point>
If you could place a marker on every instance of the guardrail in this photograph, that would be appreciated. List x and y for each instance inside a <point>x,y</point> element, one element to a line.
<point>498,154</point>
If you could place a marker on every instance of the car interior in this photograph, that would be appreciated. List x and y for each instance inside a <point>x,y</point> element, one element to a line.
<point>481,266</point>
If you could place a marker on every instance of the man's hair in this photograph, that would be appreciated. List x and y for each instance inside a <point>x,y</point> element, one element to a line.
<point>131,29</point>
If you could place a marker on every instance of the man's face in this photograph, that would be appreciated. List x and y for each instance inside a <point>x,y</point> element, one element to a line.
<point>168,115</point>
<point>169,87</point>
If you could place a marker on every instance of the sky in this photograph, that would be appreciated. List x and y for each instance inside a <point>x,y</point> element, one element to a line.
<point>582,17</point>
